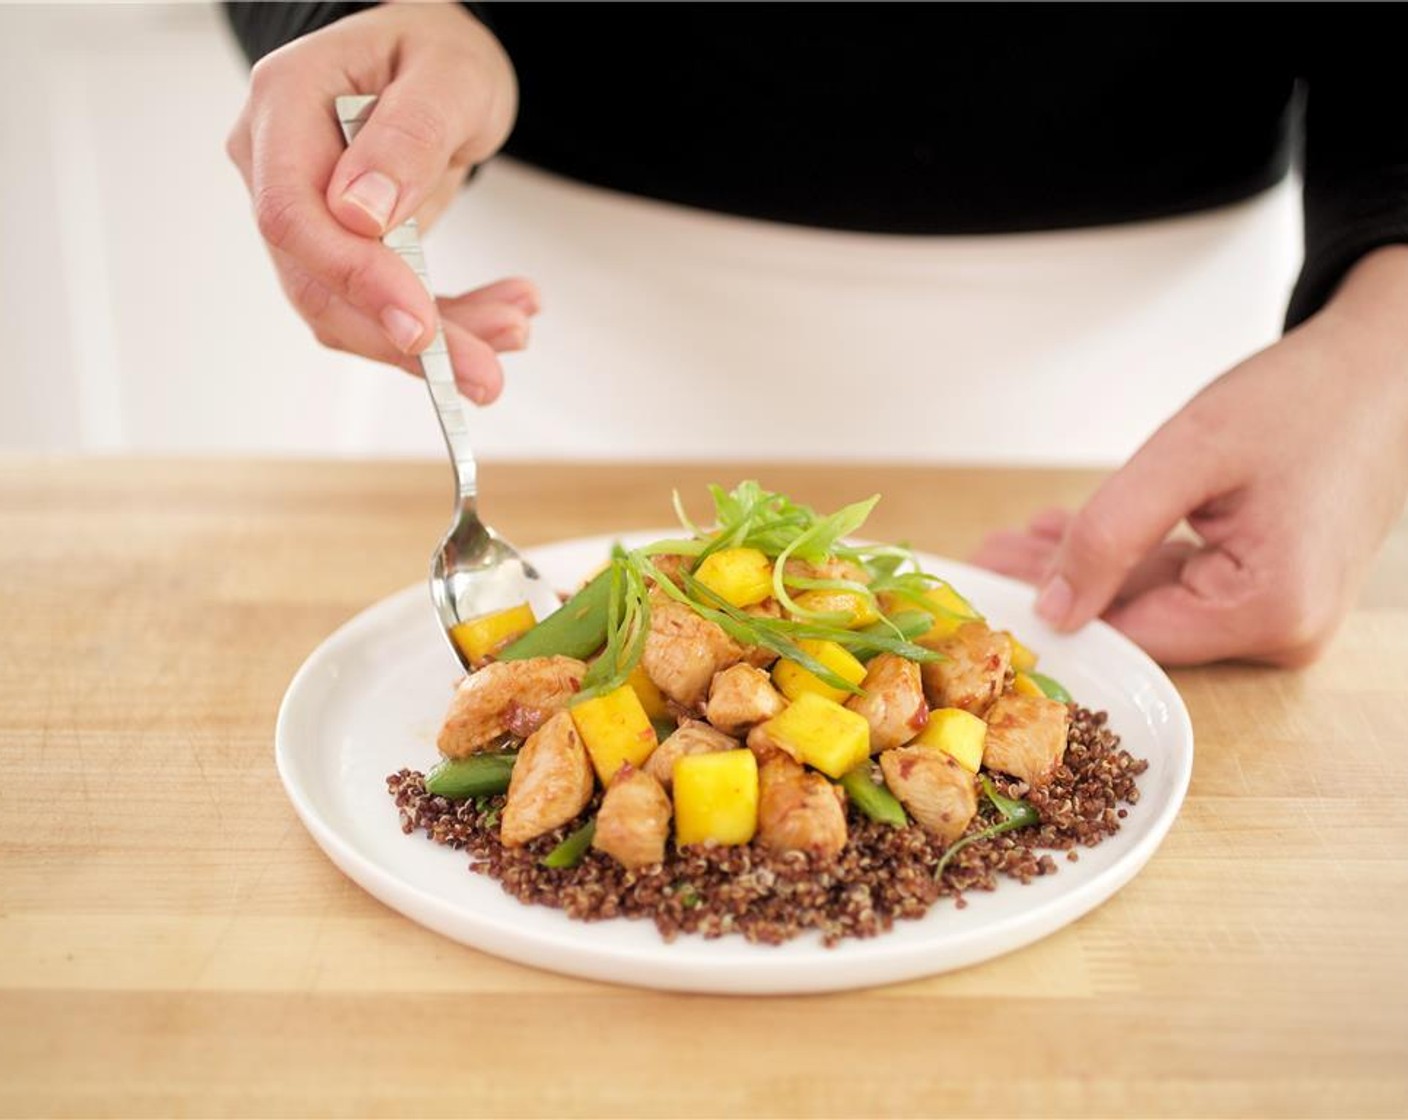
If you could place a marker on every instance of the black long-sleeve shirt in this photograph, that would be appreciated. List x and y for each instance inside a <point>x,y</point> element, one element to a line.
<point>955,118</point>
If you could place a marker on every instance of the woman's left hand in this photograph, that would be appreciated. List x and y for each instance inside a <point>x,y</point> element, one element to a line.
<point>1289,470</point>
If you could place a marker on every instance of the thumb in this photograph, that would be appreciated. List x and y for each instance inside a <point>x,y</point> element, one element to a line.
<point>1128,517</point>
<point>423,124</point>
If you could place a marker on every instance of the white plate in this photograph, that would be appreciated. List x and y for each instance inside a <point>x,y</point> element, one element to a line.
<point>370,700</point>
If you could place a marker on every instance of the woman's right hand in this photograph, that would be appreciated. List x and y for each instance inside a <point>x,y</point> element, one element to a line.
<point>446,101</point>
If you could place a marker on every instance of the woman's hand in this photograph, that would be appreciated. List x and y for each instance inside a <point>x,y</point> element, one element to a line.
<point>1289,469</point>
<point>446,101</point>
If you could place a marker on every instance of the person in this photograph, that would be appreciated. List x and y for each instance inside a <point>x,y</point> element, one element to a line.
<point>1289,468</point>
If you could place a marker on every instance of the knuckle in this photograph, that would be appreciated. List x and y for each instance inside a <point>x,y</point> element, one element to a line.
<point>310,298</point>
<point>418,125</point>
<point>1307,631</point>
<point>1301,656</point>
<point>276,214</point>
<point>236,145</point>
<point>1298,623</point>
<point>326,336</point>
<point>266,72</point>
<point>356,278</point>
<point>1092,537</point>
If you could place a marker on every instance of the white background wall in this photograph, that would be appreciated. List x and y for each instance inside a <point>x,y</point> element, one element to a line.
<point>137,311</point>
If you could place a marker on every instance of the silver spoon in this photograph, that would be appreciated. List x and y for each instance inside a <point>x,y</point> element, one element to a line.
<point>474,571</point>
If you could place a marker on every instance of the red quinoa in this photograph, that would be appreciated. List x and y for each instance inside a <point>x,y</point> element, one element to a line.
<point>882,874</point>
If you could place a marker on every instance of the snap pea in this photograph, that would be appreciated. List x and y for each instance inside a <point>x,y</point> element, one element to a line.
<point>475,776</point>
<point>570,852</point>
<point>875,801</point>
<point>1053,688</point>
<point>575,629</point>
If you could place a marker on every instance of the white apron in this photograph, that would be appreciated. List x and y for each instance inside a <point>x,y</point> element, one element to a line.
<point>672,333</point>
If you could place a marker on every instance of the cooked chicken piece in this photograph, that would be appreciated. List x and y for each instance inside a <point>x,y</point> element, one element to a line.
<point>552,782</point>
<point>799,810</point>
<point>833,567</point>
<point>634,819</point>
<point>938,792</point>
<point>766,748</point>
<point>1026,737</point>
<point>760,657</point>
<point>671,564</point>
<point>740,698</point>
<point>892,702</point>
<point>513,697</point>
<point>683,652</point>
<point>973,672</point>
<point>691,737</point>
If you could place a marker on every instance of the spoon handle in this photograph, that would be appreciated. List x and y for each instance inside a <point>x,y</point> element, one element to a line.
<point>404,240</point>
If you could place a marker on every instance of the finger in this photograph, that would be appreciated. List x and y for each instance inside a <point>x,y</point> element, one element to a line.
<point>478,374</point>
<point>1050,523</point>
<point>294,144</point>
<point>340,326</point>
<point>1192,619</point>
<point>520,292</point>
<point>1175,627</point>
<point>1214,609</point>
<point>1129,515</point>
<point>477,369</point>
<point>417,142</point>
<point>498,313</point>
<point>335,322</point>
<point>1011,552</point>
<point>1027,556</point>
<point>1162,566</point>
<point>504,326</point>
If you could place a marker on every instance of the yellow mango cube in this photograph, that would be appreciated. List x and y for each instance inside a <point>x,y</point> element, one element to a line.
<point>951,610</point>
<point>615,730</point>
<point>822,733</point>
<point>650,697</point>
<point>479,637</point>
<point>858,609</point>
<point>716,797</point>
<point>957,733</point>
<point>1023,659</point>
<point>1023,685</point>
<point>740,576</point>
<point>794,682</point>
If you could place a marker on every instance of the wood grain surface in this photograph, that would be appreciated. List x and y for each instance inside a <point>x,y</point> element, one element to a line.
<point>173,943</point>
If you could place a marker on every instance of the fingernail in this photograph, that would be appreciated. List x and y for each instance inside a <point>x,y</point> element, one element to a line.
<point>376,194</point>
<point>526,302</point>
<point>476,392</point>
<point>404,330</point>
<point>512,337</point>
<point>1053,604</point>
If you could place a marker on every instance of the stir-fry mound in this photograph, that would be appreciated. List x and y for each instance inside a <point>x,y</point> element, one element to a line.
<point>762,728</point>
<point>882,874</point>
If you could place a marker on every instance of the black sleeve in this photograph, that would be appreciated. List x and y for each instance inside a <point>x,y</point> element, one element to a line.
<point>1356,153</point>
<point>264,27</point>
<point>261,26</point>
